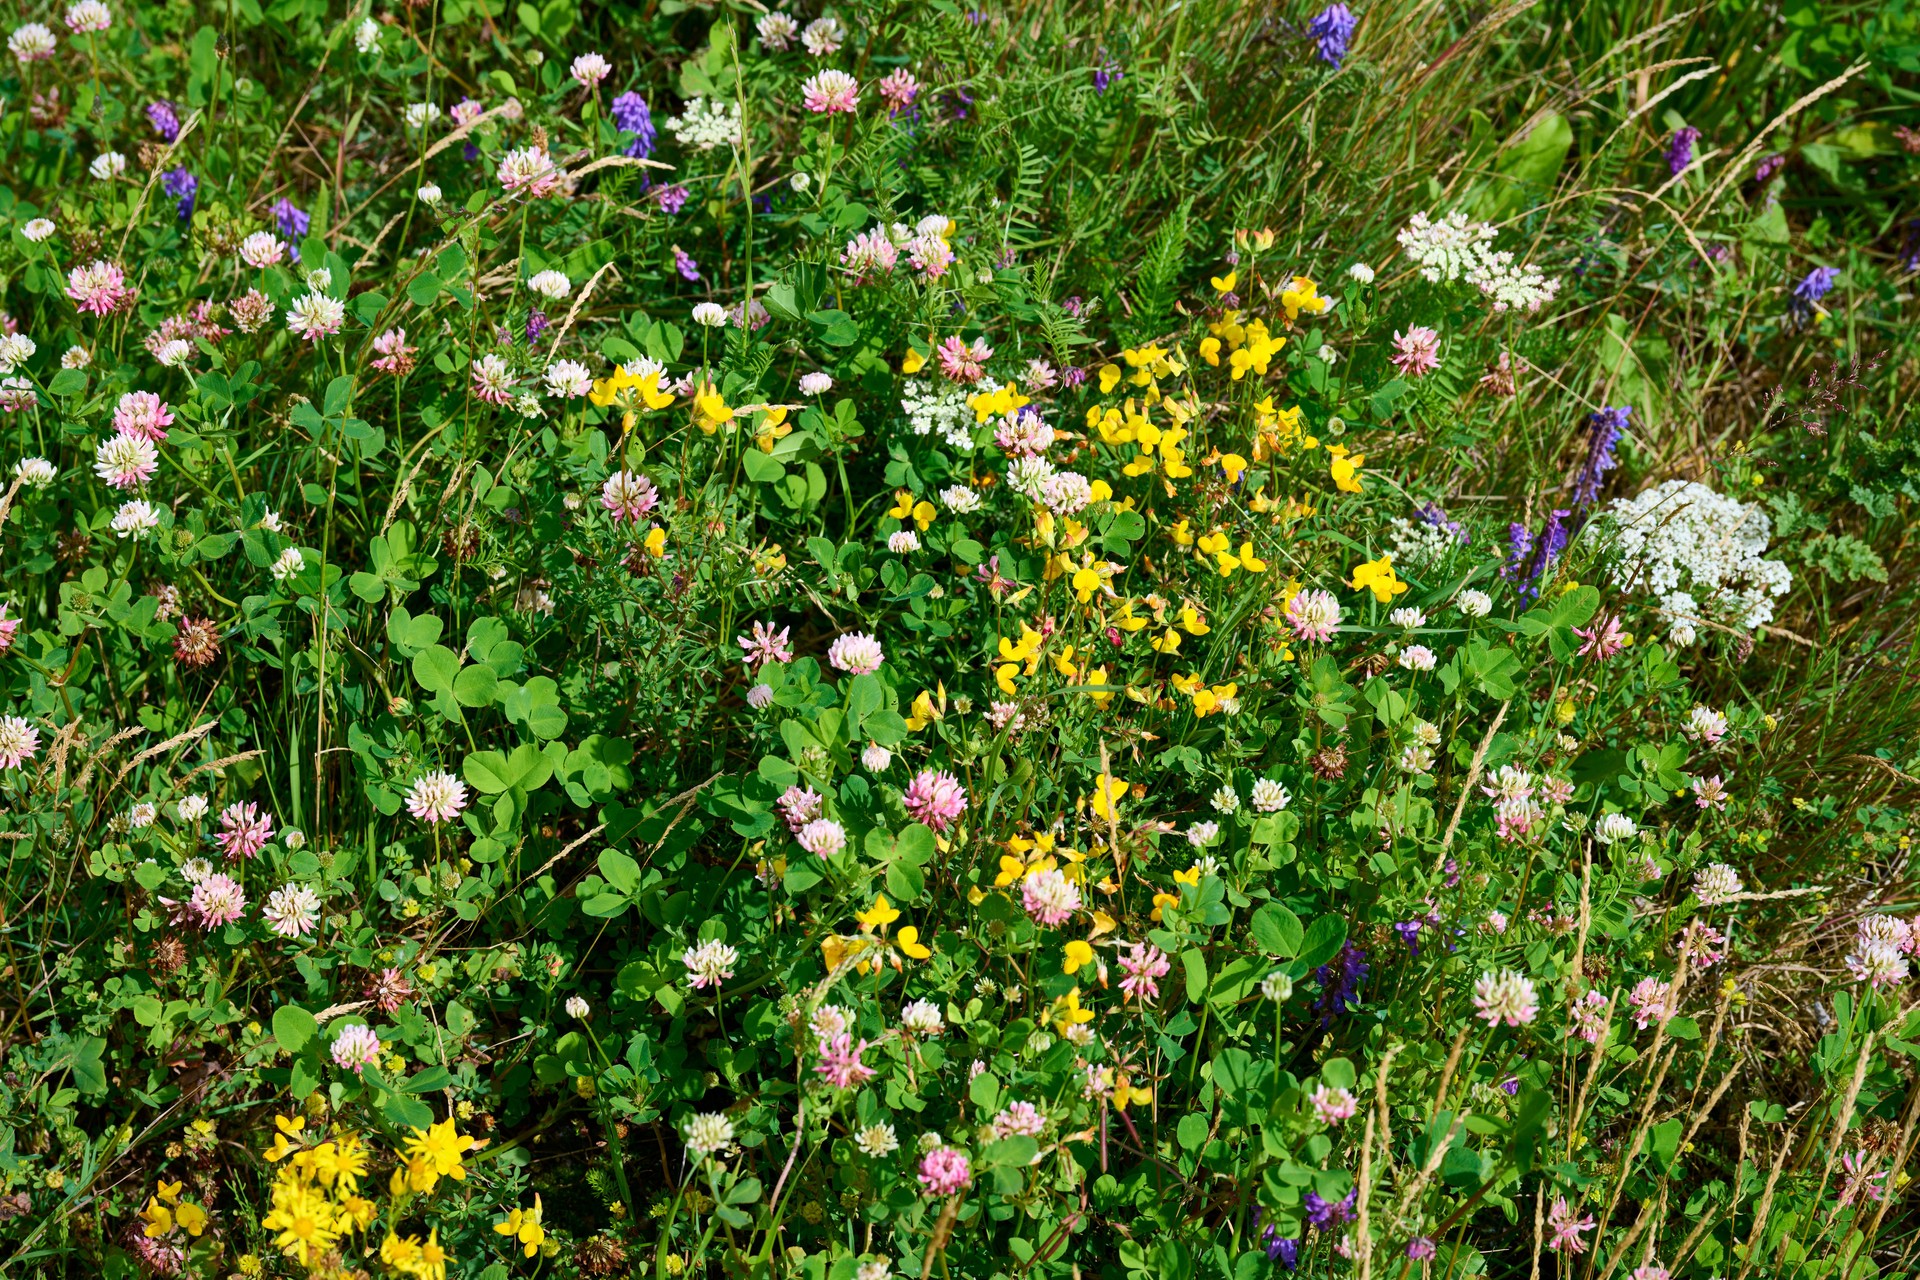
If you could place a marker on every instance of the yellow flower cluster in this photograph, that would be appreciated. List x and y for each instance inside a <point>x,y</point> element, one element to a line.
<point>316,1198</point>
<point>166,1210</point>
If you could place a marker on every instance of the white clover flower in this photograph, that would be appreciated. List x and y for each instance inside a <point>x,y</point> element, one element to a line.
<point>551,284</point>
<point>922,1017</point>
<point>1505,998</point>
<point>191,808</point>
<point>959,499</point>
<point>709,964</point>
<point>1615,826</point>
<point>1407,616</point>
<point>876,1140</point>
<point>88,16</point>
<point>1416,657</point>
<point>589,69</point>
<point>31,42</point>
<point>316,316</point>
<point>1269,796</point>
<point>262,249</point>
<point>568,379</point>
<point>289,563</point>
<point>419,115</point>
<point>1226,800</point>
<point>15,350</point>
<point>142,815</point>
<point>1202,834</point>
<point>1716,883</point>
<point>35,473</point>
<point>292,911</point>
<point>875,757</point>
<point>578,1008</point>
<point>1360,273</point>
<point>815,384</point>
<point>366,36</point>
<point>76,357</point>
<point>429,194</point>
<point>174,353</point>
<point>709,1134</point>
<point>135,519</point>
<point>37,229</point>
<point>903,541</point>
<point>1277,986</point>
<point>710,315</point>
<point>107,166</point>
<point>1475,604</point>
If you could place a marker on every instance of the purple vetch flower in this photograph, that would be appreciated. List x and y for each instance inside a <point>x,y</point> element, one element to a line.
<point>1519,547</point>
<point>1910,247</point>
<point>1409,931</point>
<point>1332,31</point>
<point>1340,981</point>
<point>1680,150</point>
<point>1604,431</point>
<point>1433,514</point>
<point>181,185</point>
<point>683,263</point>
<point>1420,1248</point>
<point>1768,166</point>
<point>630,115</point>
<point>165,119</point>
<point>1327,1214</point>
<point>1807,294</point>
<point>672,199</point>
<point>1105,72</point>
<point>536,325</point>
<point>957,101</point>
<point>1284,1250</point>
<point>1511,1085</point>
<point>293,223</point>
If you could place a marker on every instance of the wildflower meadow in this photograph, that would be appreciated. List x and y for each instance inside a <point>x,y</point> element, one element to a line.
<point>1197,641</point>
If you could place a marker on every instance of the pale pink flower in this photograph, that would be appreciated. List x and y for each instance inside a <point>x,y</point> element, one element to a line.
<point>589,69</point>
<point>1566,1226</point>
<point>830,91</point>
<point>99,287</point>
<point>1862,1178</point>
<point>436,797</point>
<point>142,413</point>
<point>492,380</point>
<point>931,255</point>
<point>1313,615</point>
<point>1652,1000</point>
<point>1331,1106</point>
<point>1417,351</point>
<point>898,89</point>
<point>1603,639</point>
<point>799,805</point>
<point>935,798</point>
<point>1144,964</point>
<point>856,653</point>
<point>252,311</point>
<point>1710,793</point>
<point>945,1172</point>
<point>1050,898</point>
<point>709,964</point>
<point>840,1063</point>
<point>1019,1120</point>
<point>765,645</point>
<point>356,1048</point>
<point>869,254</point>
<point>396,357</point>
<point>628,495</point>
<point>1587,1017</point>
<point>1505,998</point>
<point>7,628</point>
<point>316,316</point>
<point>244,830</point>
<point>964,362</point>
<point>125,461</point>
<point>19,741</point>
<point>217,900</point>
<point>823,837</point>
<point>529,169</point>
<point>292,911</point>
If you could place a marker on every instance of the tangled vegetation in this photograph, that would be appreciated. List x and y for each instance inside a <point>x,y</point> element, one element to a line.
<point>1133,642</point>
